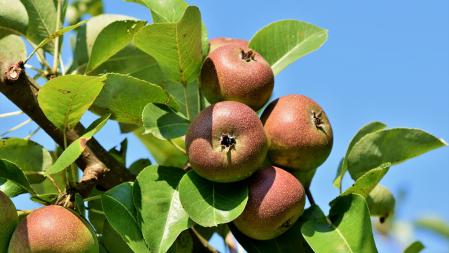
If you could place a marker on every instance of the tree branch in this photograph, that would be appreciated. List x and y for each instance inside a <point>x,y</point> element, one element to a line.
<point>98,166</point>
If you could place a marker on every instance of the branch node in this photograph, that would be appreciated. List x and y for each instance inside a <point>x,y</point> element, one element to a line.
<point>14,71</point>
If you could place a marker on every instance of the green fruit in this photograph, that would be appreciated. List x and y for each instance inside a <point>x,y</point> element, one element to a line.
<point>276,200</point>
<point>8,221</point>
<point>380,202</point>
<point>226,142</point>
<point>299,132</point>
<point>222,41</point>
<point>237,73</point>
<point>53,229</point>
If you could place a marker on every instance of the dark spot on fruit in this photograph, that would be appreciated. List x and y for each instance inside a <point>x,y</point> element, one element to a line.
<point>286,224</point>
<point>248,56</point>
<point>227,141</point>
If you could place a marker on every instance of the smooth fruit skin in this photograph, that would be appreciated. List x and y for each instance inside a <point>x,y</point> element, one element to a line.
<point>299,132</point>
<point>53,229</point>
<point>237,73</point>
<point>8,221</point>
<point>380,202</point>
<point>276,201</point>
<point>211,152</point>
<point>223,41</point>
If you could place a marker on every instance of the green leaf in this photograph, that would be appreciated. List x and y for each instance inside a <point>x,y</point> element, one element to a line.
<point>13,17</point>
<point>86,37</point>
<point>347,229</point>
<point>183,244</point>
<point>187,97</point>
<point>283,42</point>
<point>434,224</point>
<point>32,159</point>
<point>120,32</point>
<point>112,240</point>
<point>10,188</point>
<point>156,198</point>
<point>134,62</point>
<point>95,211</point>
<point>164,152</point>
<point>391,145</point>
<point>210,204</point>
<point>55,35</point>
<point>125,98</point>
<point>164,123</point>
<point>415,247</point>
<point>366,183</point>
<point>79,8</point>
<point>45,199</point>
<point>11,172</point>
<point>137,166</point>
<point>65,99</point>
<point>176,47</point>
<point>29,156</point>
<point>41,21</point>
<point>369,128</point>
<point>120,212</point>
<point>167,11</point>
<point>76,148</point>
<point>290,242</point>
<point>13,50</point>
<point>79,205</point>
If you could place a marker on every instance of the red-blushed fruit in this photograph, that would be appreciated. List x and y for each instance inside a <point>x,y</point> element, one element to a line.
<point>8,221</point>
<point>222,41</point>
<point>53,229</point>
<point>299,132</point>
<point>226,142</point>
<point>237,73</point>
<point>276,201</point>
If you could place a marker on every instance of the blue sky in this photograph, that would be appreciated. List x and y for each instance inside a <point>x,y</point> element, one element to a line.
<point>384,60</point>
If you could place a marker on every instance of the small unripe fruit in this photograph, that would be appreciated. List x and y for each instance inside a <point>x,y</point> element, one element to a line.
<point>222,41</point>
<point>299,132</point>
<point>237,73</point>
<point>380,202</point>
<point>226,142</point>
<point>53,229</point>
<point>276,201</point>
<point>8,221</point>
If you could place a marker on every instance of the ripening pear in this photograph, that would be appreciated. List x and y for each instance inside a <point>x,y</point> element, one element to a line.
<point>53,229</point>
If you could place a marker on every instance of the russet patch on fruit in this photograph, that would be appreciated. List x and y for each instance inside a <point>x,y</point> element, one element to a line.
<point>276,201</point>
<point>226,142</point>
<point>237,73</point>
<point>299,132</point>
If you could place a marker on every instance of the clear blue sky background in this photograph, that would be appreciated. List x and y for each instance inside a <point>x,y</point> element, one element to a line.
<point>384,60</point>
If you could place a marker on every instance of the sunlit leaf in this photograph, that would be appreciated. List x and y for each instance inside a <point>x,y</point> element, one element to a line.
<point>65,99</point>
<point>283,42</point>
<point>161,214</point>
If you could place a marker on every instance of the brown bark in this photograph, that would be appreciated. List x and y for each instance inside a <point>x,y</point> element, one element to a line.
<point>98,166</point>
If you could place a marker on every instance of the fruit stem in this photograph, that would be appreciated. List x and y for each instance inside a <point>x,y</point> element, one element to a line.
<point>310,197</point>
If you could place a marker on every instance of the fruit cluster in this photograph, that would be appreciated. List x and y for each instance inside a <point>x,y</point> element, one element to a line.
<point>228,142</point>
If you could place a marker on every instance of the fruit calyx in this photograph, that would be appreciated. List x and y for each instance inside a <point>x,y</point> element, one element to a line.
<point>318,121</point>
<point>248,55</point>
<point>227,142</point>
